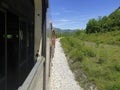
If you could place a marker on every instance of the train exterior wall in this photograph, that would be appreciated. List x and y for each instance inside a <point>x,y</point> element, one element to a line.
<point>38,28</point>
<point>25,38</point>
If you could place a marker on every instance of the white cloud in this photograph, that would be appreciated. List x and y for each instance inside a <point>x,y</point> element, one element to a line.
<point>62,20</point>
<point>66,24</point>
<point>70,22</point>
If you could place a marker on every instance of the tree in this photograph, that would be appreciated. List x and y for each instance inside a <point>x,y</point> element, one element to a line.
<point>92,26</point>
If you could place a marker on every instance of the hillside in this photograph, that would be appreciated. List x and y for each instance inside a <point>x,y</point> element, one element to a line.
<point>94,54</point>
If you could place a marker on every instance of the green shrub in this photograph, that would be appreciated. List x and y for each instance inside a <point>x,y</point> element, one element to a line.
<point>113,87</point>
<point>117,68</point>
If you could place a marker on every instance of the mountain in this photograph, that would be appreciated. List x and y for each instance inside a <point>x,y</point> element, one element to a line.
<point>58,30</point>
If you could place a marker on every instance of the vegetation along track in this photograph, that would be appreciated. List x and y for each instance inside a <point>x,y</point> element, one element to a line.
<point>95,59</point>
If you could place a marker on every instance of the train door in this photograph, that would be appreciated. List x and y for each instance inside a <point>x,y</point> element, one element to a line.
<point>12,25</point>
<point>2,51</point>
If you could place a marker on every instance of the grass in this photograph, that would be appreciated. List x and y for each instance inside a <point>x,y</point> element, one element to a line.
<point>97,55</point>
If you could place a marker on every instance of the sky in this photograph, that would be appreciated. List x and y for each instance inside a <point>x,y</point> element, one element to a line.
<point>74,14</point>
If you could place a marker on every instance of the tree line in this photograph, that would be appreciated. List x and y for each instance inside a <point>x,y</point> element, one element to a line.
<point>105,23</point>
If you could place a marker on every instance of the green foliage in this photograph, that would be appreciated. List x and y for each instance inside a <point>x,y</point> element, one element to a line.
<point>96,54</point>
<point>59,35</point>
<point>93,26</point>
<point>104,24</point>
<point>62,34</point>
<point>112,38</point>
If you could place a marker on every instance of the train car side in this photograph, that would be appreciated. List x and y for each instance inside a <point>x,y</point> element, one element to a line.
<point>25,38</point>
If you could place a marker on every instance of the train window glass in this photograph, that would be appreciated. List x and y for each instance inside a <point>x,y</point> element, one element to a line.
<point>12,50</point>
<point>2,44</point>
<point>29,44</point>
<point>23,40</point>
<point>28,30</point>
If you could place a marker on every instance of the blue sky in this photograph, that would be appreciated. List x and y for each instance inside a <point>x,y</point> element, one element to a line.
<point>74,14</point>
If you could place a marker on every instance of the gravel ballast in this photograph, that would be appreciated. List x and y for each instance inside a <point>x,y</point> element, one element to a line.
<point>62,77</point>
